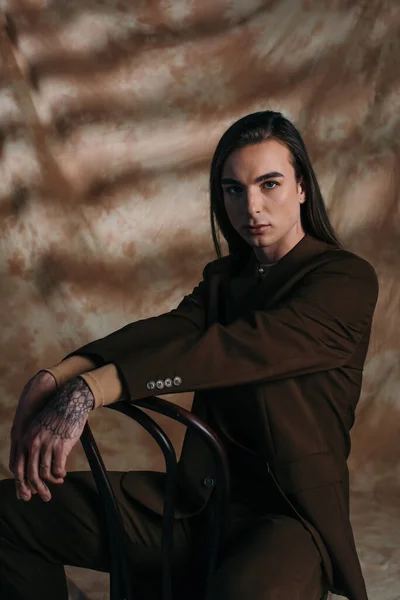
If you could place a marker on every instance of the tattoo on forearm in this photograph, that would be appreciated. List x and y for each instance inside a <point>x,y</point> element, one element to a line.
<point>65,416</point>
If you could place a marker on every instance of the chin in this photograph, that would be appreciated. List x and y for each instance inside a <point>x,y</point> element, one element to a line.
<point>263,241</point>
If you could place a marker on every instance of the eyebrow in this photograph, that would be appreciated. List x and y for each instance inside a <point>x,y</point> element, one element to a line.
<point>230,181</point>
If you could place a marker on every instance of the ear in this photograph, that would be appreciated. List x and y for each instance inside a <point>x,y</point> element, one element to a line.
<point>301,192</point>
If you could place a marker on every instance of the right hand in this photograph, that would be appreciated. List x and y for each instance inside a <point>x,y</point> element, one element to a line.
<point>34,397</point>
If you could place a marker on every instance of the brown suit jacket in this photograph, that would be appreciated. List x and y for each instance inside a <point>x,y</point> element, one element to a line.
<point>279,370</point>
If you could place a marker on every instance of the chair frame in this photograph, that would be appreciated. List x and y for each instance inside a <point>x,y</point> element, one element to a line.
<point>121,584</point>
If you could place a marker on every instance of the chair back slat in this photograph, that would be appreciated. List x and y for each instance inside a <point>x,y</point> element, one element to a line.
<point>171,468</point>
<point>121,586</point>
<point>220,496</point>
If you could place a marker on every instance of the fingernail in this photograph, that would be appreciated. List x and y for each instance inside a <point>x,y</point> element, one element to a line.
<point>18,497</point>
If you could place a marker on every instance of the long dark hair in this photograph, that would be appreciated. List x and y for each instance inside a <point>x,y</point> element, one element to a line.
<point>254,129</point>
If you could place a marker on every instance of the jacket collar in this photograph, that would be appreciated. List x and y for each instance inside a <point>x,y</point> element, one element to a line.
<point>245,294</point>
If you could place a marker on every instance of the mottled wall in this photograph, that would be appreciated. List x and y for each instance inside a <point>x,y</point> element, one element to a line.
<point>109,114</point>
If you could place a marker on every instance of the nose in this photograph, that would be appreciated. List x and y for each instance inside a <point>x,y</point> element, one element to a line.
<point>253,202</point>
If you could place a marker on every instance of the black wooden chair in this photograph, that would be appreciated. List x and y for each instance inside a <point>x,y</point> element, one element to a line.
<point>121,585</point>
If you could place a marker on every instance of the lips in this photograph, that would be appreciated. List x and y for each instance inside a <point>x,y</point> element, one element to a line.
<point>257,227</point>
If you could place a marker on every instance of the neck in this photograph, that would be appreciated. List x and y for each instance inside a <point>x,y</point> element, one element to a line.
<point>265,262</point>
<point>274,252</point>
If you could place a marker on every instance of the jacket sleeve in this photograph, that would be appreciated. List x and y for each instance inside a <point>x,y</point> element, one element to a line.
<point>316,329</point>
<point>187,321</point>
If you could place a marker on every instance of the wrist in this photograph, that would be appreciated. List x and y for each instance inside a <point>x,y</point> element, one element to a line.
<point>45,377</point>
<point>77,393</point>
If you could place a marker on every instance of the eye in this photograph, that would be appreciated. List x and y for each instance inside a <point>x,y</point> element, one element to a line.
<point>232,190</point>
<point>274,183</point>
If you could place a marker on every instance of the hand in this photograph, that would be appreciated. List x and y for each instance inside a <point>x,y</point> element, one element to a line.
<point>34,397</point>
<point>50,438</point>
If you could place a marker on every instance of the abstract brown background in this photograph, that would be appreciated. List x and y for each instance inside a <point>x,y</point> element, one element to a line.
<point>109,114</point>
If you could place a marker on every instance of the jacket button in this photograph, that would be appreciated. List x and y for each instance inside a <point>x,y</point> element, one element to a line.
<point>168,382</point>
<point>151,385</point>
<point>208,481</point>
<point>159,384</point>
<point>177,381</point>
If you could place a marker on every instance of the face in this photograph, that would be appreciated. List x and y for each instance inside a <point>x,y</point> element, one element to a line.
<point>259,188</point>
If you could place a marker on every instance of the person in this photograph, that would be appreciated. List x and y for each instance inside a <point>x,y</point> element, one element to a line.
<point>272,342</point>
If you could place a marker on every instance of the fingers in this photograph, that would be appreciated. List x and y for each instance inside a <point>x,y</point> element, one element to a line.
<point>48,469</point>
<point>59,462</point>
<point>32,472</point>
<point>21,485</point>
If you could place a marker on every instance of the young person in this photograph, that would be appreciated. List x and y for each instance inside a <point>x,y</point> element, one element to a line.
<point>272,341</point>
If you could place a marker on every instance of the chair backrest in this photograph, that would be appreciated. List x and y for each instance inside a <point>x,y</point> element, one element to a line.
<point>121,586</point>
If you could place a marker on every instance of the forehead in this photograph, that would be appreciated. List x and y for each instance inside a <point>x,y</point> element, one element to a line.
<point>270,155</point>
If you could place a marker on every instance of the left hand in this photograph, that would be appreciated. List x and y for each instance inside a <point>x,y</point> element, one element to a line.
<point>51,436</point>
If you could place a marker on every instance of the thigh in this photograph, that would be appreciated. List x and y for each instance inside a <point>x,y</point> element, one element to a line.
<point>269,558</point>
<point>70,529</point>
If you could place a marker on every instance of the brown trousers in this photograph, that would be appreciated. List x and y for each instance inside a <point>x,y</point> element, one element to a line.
<point>267,556</point>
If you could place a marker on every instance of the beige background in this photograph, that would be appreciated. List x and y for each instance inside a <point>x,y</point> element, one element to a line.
<point>109,114</point>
